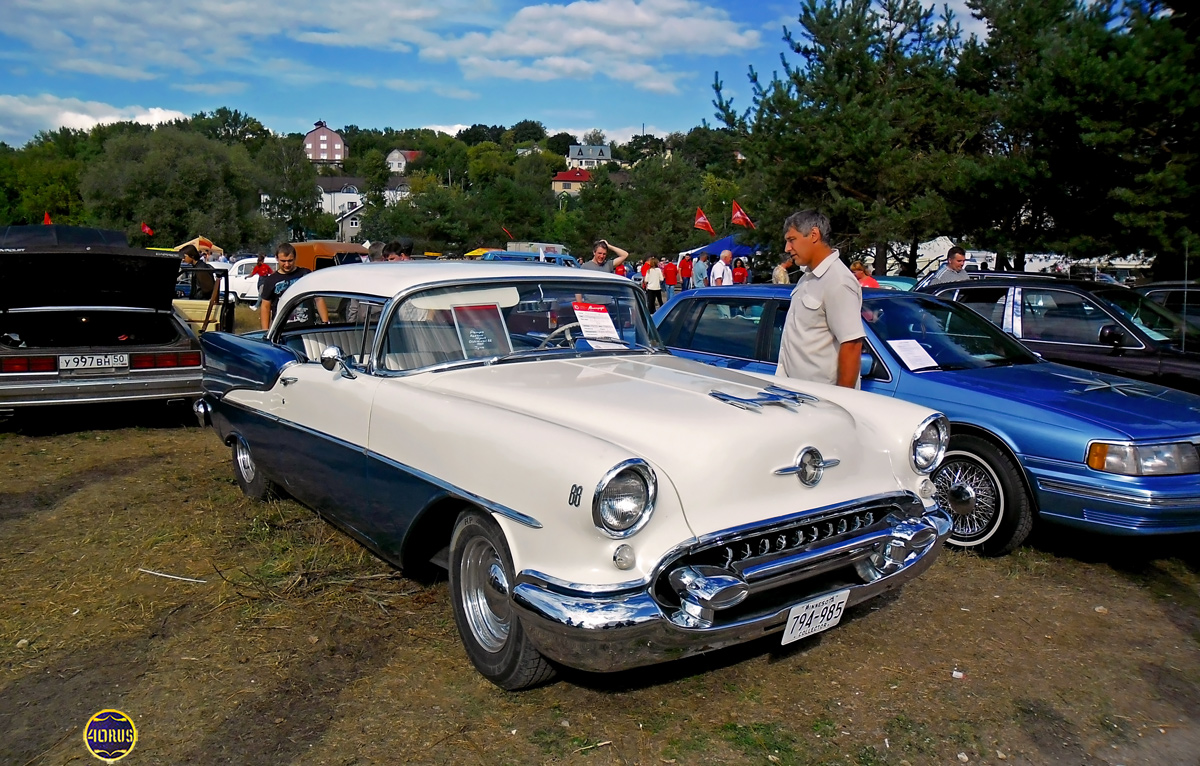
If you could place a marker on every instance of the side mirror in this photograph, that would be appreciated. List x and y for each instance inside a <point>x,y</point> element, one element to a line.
<point>866,364</point>
<point>1111,335</point>
<point>331,357</point>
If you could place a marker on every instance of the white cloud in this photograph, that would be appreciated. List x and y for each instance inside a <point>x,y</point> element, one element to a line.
<point>139,39</point>
<point>450,130</point>
<point>211,88</point>
<point>23,116</point>
<point>623,40</point>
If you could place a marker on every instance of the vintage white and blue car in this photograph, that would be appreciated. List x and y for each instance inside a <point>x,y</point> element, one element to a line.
<point>598,502</point>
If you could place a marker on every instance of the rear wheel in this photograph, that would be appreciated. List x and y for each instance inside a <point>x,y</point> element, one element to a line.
<point>481,575</point>
<point>981,488</point>
<point>254,485</point>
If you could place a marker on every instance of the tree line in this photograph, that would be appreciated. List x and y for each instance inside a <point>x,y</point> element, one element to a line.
<point>1070,127</point>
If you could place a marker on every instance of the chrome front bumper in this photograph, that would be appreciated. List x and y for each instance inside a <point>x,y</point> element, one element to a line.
<point>619,629</point>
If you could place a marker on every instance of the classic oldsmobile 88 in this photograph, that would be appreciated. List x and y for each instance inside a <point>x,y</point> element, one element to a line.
<point>673,508</point>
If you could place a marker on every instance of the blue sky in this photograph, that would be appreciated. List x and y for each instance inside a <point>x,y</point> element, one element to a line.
<point>608,64</point>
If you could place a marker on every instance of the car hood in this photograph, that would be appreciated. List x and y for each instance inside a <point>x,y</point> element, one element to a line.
<point>719,458</point>
<point>101,276</point>
<point>1138,409</point>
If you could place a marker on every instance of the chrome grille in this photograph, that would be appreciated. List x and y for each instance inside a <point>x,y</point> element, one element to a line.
<point>797,538</point>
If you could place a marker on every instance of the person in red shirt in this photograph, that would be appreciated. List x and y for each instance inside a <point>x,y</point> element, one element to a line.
<point>261,269</point>
<point>670,277</point>
<point>740,273</point>
<point>619,270</point>
<point>645,268</point>
<point>685,272</point>
<point>859,270</point>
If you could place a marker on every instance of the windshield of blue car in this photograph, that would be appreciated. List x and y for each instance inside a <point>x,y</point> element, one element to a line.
<point>1158,322</point>
<point>927,333</point>
<point>512,320</point>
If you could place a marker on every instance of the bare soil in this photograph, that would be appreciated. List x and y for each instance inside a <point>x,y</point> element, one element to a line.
<point>301,648</point>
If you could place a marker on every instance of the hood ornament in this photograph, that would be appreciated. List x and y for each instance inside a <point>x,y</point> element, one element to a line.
<point>771,395</point>
<point>809,467</point>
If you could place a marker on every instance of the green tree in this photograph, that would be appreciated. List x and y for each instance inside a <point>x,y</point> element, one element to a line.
<point>561,143</point>
<point>375,173</point>
<point>182,183</point>
<point>292,199</point>
<point>528,130</point>
<point>867,127</point>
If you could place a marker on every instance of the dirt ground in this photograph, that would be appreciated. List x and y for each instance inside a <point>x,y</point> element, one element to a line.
<point>300,648</point>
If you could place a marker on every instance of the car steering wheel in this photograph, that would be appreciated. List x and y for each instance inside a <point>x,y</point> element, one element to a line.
<point>565,330</point>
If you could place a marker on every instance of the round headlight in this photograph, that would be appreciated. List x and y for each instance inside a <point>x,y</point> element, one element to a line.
<point>929,443</point>
<point>624,499</point>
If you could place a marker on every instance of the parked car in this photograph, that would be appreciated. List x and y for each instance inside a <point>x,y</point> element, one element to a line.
<point>558,259</point>
<point>1028,439</point>
<point>412,430</point>
<point>923,285</point>
<point>244,286</point>
<point>1181,297</point>
<point>1087,324</point>
<point>891,282</point>
<point>107,334</point>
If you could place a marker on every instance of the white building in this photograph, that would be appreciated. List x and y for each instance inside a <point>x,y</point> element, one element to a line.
<point>587,157</point>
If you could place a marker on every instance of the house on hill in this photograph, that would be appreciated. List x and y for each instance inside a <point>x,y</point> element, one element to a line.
<point>570,182</point>
<point>399,159</point>
<point>324,146</point>
<point>586,157</point>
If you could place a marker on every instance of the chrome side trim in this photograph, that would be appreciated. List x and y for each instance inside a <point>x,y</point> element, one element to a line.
<point>482,502</point>
<point>1116,495</point>
<point>534,577</point>
<point>122,309</point>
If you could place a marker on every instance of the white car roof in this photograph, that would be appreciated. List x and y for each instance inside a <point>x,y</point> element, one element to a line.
<point>391,278</point>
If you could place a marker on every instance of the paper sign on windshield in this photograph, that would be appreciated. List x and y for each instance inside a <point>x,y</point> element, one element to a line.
<point>481,331</point>
<point>913,354</point>
<point>595,321</point>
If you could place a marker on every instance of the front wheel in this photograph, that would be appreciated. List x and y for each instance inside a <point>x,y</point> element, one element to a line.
<point>981,488</point>
<point>481,575</point>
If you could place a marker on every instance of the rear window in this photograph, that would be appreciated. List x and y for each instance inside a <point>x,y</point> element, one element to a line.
<point>65,329</point>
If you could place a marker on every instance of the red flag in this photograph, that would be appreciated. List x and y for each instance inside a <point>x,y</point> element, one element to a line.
<point>150,232</point>
<point>702,222</point>
<point>46,221</point>
<point>509,233</point>
<point>740,218</point>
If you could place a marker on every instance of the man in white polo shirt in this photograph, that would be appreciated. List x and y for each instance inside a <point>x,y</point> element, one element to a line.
<point>722,272</point>
<point>822,336</point>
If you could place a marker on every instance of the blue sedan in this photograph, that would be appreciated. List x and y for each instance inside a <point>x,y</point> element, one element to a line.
<point>1029,439</point>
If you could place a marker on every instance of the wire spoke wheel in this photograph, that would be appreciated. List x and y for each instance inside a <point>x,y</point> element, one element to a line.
<point>970,490</point>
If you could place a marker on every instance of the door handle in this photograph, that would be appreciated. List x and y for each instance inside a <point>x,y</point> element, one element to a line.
<point>288,381</point>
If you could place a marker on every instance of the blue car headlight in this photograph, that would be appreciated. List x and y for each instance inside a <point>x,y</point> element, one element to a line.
<point>1169,459</point>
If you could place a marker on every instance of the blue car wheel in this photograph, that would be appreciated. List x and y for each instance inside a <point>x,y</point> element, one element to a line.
<point>981,488</point>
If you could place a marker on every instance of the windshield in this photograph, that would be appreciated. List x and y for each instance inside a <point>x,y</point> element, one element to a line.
<point>930,334</point>
<point>498,321</point>
<point>1158,322</point>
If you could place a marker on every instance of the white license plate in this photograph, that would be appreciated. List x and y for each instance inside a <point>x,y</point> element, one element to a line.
<point>93,361</point>
<point>815,616</point>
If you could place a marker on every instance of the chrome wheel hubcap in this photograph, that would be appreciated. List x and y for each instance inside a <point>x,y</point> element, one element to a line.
<point>483,587</point>
<point>245,463</point>
<point>971,492</point>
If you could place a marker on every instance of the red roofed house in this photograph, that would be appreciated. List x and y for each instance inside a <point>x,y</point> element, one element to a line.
<point>570,181</point>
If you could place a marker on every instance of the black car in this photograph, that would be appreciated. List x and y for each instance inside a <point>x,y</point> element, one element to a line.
<point>1090,324</point>
<point>1181,297</point>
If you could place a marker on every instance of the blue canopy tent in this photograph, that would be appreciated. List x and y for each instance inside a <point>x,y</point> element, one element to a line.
<point>726,243</point>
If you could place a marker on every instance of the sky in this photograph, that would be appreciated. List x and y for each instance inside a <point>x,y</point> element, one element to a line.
<point>622,66</point>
